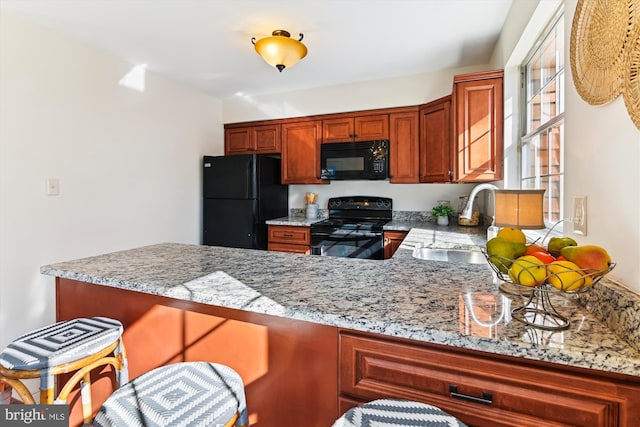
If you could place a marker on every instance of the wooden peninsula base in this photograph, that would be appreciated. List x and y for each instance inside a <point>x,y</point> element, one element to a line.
<point>289,367</point>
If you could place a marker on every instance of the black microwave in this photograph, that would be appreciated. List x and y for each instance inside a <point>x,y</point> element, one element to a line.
<point>355,160</point>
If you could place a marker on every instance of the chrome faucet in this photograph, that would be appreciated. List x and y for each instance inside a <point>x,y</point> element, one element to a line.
<point>467,212</point>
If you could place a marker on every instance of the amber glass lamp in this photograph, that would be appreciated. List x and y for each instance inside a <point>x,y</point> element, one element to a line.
<point>519,209</point>
<point>280,50</point>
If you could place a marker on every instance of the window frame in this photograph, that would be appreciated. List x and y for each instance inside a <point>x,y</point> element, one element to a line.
<point>527,136</point>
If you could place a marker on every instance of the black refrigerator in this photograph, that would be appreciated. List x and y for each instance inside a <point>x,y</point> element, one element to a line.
<point>239,194</point>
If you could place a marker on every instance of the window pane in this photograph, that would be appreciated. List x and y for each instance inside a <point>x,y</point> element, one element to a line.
<point>548,59</point>
<point>534,109</point>
<point>560,44</point>
<point>534,75</point>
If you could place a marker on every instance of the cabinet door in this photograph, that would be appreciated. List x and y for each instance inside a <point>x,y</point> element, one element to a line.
<point>403,152</point>
<point>301,153</point>
<point>392,241</point>
<point>435,141</point>
<point>266,139</point>
<point>355,128</point>
<point>237,141</point>
<point>338,130</point>
<point>478,121</point>
<point>371,128</point>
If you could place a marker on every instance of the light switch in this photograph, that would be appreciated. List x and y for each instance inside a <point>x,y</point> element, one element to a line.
<point>580,215</point>
<point>53,187</point>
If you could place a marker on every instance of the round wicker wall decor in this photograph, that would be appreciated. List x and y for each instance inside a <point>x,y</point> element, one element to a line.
<point>632,84</point>
<point>599,34</point>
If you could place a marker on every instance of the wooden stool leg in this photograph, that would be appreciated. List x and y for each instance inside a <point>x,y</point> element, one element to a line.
<point>122,372</point>
<point>85,393</point>
<point>47,386</point>
<point>21,389</point>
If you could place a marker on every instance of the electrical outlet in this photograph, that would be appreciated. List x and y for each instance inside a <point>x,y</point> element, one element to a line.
<point>53,187</point>
<point>580,215</point>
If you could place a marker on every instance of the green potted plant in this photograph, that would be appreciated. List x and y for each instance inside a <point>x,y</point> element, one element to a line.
<point>442,212</point>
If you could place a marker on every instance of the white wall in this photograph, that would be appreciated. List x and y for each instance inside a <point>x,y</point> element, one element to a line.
<point>128,163</point>
<point>602,162</point>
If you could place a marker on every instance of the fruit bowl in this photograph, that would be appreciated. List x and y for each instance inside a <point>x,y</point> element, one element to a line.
<point>556,276</point>
<point>535,281</point>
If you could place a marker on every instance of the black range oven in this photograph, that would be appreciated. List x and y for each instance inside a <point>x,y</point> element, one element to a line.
<point>354,228</point>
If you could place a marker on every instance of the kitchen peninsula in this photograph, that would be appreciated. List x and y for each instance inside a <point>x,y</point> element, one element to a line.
<point>312,336</point>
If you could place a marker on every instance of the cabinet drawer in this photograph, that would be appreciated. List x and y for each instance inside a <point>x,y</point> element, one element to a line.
<point>285,247</point>
<point>481,391</point>
<point>290,234</point>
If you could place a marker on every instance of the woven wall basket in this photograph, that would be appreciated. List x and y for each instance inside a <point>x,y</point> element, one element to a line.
<point>599,35</point>
<point>632,84</point>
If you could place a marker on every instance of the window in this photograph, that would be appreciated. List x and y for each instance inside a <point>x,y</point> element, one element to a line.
<point>542,142</point>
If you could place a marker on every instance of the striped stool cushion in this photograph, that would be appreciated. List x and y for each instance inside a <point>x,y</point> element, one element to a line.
<point>392,413</point>
<point>60,343</point>
<point>182,394</point>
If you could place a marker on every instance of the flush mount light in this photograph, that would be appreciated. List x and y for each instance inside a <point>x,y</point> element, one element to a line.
<point>280,50</point>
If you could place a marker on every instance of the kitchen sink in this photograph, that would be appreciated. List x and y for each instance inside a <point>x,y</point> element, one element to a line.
<point>459,256</point>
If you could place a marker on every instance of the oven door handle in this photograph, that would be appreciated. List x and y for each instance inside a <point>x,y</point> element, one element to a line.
<point>346,238</point>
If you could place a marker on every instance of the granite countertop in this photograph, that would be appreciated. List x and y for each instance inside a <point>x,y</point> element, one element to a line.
<point>437,302</point>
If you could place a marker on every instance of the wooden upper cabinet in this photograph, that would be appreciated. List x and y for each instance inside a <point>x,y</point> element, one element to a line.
<point>301,152</point>
<point>435,141</point>
<point>349,128</point>
<point>478,126</point>
<point>403,147</point>
<point>262,139</point>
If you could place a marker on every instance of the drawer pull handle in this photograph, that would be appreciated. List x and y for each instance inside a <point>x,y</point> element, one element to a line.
<point>486,399</point>
<point>288,235</point>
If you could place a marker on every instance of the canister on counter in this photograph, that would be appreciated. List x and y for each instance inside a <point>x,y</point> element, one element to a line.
<point>475,215</point>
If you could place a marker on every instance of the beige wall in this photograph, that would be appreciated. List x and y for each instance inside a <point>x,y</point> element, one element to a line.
<point>128,163</point>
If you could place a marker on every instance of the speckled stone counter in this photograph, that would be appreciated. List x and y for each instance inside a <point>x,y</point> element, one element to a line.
<point>438,302</point>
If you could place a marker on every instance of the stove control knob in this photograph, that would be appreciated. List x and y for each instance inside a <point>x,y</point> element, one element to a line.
<point>380,203</point>
<point>387,203</point>
<point>334,203</point>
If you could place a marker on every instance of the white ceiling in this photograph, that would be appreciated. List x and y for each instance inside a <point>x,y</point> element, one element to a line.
<point>207,43</point>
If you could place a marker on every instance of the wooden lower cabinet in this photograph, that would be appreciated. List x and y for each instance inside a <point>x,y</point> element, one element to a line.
<point>483,390</point>
<point>392,241</point>
<point>286,238</point>
<point>289,367</point>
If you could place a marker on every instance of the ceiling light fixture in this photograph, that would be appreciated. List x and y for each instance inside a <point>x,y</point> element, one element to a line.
<point>280,50</point>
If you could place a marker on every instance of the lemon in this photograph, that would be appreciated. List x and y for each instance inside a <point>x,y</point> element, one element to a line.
<point>528,271</point>
<point>567,276</point>
<point>513,234</point>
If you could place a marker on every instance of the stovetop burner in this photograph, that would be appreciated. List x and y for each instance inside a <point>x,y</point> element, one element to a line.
<point>357,213</point>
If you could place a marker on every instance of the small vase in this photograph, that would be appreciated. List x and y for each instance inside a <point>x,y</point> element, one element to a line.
<point>443,220</point>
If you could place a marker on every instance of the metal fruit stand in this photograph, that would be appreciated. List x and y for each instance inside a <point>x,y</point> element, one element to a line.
<point>538,311</point>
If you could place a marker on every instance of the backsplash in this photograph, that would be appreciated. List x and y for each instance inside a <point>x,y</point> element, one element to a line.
<point>617,307</point>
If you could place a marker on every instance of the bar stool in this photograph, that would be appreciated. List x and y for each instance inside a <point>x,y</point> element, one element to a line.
<point>395,412</point>
<point>181,394</point>
<point>78,346</point>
